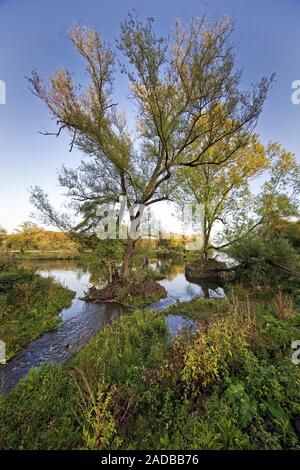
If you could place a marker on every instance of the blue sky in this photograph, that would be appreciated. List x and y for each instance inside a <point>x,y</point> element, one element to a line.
<point>33,36</point>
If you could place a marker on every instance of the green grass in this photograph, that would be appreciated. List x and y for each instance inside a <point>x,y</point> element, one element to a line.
<point>47,255</point>
<point>29,306</point>
<point>230,385</point>
<point>79,404</point>
<point>199,308</point>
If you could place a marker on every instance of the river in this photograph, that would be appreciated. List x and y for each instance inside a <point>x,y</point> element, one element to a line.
<point>81,321</point>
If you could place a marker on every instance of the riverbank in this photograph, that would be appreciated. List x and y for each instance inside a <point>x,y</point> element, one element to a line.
<point>229,385</point>
<point>87,256</point>
<point>196,373</point>
<point>29,305</point>
<point>42,255</point>
<point>82,321</point>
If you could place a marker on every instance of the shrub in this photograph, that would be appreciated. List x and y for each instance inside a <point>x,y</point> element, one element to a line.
<point>255,256</point>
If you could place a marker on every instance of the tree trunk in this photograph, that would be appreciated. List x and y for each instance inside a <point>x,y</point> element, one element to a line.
<point>205,246</point>
<point>205,289</point>
<point>128,257</point>
<point>206,237</point>
<point>205,252</point>
<point>112,272</point>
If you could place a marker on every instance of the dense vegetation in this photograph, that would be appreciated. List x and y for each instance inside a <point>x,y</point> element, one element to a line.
<point>270,257</point>
<point>229,385</point>
<point>29,305</point>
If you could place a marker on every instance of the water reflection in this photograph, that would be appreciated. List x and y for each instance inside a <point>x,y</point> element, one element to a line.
<point>83,320</point>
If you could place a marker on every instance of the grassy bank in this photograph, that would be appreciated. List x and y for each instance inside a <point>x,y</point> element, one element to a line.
<point>199,309</point>
<point>230,385</point>
<point>43,255</point>
<point>29,306</point>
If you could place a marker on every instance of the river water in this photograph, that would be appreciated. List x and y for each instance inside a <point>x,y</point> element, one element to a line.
<point>81,321</point>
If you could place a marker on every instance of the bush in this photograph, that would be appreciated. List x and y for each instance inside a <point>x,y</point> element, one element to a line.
<point>256,256</point>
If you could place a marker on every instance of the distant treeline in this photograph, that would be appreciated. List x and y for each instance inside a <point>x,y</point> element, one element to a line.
<point>30,237</point>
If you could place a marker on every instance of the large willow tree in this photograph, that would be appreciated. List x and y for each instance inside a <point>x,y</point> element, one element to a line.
<point>187,97</point>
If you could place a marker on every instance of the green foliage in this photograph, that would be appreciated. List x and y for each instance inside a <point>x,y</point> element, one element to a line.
<point>87,401</point>
<point>173,247</point>
<point>230,385</point>
<point>137,291</point>
<point>47,255</point>
<point>199,308</point>
<point>217,352</point>
<point>141,289</point>
<point>223,190</point>
<point>39,414</point>
<point>101,256</point>
<point>257,255</point>
<point>277,336</point>
<point>290,231</point>
<point>99,424</point>
<point>280,195</point>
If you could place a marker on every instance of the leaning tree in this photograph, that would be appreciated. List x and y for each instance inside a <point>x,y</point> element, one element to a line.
<point>187,97</point>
